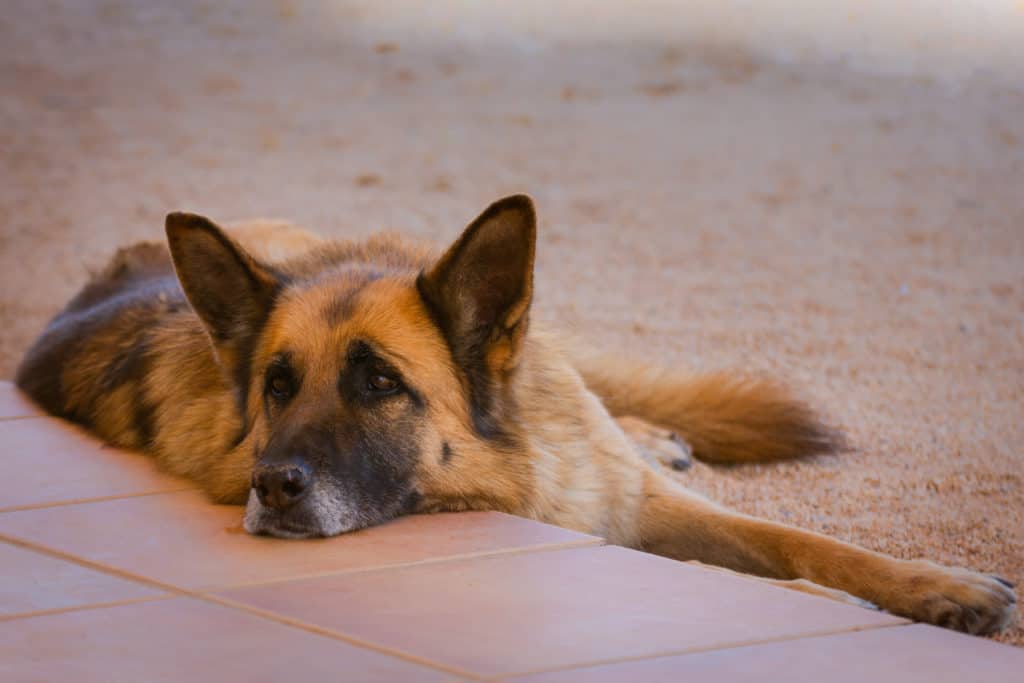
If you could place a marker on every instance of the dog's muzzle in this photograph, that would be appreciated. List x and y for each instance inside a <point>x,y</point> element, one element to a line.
<point>288,500</point>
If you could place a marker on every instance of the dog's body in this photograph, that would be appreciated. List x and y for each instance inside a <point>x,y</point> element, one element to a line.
<point>333,386</point>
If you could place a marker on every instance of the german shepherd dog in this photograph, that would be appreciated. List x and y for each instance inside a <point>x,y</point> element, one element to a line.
<point>331,386</point>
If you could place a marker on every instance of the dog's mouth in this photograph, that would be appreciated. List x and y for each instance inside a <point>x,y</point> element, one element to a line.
<point>282,528</point>
<point>319,515</point>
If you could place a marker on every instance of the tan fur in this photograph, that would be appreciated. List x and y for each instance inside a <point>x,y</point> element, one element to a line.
<point>724,417</point>
<point>558,455</point>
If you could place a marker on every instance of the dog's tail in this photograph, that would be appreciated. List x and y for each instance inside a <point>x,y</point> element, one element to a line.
<point>725,417</point>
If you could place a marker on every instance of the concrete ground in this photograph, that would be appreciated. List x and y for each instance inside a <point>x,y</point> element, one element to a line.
<point>843,213</point>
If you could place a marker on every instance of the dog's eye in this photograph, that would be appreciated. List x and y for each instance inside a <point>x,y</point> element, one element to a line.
<point>279,386</point>
<point>381,383</point>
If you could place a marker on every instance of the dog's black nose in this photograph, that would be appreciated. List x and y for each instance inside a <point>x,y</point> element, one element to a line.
<point>281,485</point>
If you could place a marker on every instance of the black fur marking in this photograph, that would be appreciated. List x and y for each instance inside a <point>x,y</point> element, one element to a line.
<point>40,372</point>
<point>358,350</point>
<point>362,361</point>
<point>145,418</point>
<point>486,421</point>
<point>411,502</point>
<point>342,308</point>
<point>446,453</point>
<point>131,366</point>
<point>241,376</point>
<point>380,465</point>
<point>415,397</point>
<point>280,367</point>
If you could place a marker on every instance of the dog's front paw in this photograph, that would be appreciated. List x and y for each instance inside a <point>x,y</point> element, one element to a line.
<point>955,598</point>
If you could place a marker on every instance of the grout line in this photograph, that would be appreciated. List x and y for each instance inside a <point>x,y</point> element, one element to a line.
<point>97,499</point>
<point>83,608</point>
<point>703,649</point>
<point>205,590</point>
<point>482,554</point>
<point>337,635</point>
<point>204,594</point>
<point>74,559</point>
<point>176,592</point>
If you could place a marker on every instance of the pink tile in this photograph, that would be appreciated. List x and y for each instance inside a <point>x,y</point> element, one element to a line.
<point>906,653</point>
<point>536,611</point>
<point>13,403</point>
<point>45,461</point>
<point>185,640</point>
<point>182,539</point>
<point>32,582</point>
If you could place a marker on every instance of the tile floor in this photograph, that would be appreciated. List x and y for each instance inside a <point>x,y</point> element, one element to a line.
<point>110,571</point>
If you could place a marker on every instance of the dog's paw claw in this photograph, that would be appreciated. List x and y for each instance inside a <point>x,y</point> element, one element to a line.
<point>959,599</point>
<point>1006,582</point>
<point>681,464</point>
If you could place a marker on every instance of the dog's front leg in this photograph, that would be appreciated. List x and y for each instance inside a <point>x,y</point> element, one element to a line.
<point>682,525</point>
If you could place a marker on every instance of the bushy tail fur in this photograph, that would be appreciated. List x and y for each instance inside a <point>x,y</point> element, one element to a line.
<point>725,417</point>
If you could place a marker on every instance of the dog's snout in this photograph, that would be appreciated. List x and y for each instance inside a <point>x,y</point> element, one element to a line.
<point>281,485</point>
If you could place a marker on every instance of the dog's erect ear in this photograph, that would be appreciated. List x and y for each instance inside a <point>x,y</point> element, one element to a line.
<point>480,290</point>
<point>229,290</point>
<point>479,293</point>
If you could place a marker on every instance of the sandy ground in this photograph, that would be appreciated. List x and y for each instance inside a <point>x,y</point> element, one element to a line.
<point>855,228</point>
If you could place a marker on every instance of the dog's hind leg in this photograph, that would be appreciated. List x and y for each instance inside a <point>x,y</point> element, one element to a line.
<point>677,523</point>
<point>657,445</point>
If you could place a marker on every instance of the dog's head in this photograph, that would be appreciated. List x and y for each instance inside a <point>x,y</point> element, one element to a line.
<point>372,381</point>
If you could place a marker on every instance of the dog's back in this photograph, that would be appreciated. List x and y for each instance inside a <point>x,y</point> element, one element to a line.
<point>88,364</point>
